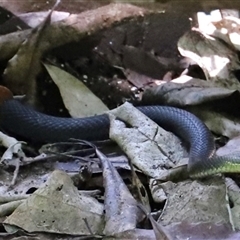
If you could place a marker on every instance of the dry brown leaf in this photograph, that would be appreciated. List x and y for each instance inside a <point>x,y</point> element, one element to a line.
<point>25,65</point>
<point>72,29</point>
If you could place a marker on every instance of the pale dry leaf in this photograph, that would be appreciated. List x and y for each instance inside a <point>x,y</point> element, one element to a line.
<point>217,60</point>
<point>122,213</point>
<point>33,19</point>
<point>204,230</point>
<point>12,143</point>
<point>58,207</point>
<point>157,192</point>
<point>220,123</point>
<point>234,196</point>
<point>149,147</point>
<point>232,146</point>
<point>223,24</point>
<point>7,208</point>
<point>196,202</point>
<point>77,98</point>
<point>231,25</point>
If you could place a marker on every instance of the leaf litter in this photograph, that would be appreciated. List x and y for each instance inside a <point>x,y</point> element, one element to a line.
<point>193,197</point>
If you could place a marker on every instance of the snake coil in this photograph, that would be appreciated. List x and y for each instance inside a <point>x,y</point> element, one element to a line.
<point>32,125</point>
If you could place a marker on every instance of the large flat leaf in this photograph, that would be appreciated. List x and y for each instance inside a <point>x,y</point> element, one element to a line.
<point>77,98</point>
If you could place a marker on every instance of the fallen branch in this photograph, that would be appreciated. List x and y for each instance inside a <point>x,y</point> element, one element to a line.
<point>73,28</point>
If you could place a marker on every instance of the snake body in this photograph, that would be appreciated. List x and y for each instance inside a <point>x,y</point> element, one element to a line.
<point>26,122</point>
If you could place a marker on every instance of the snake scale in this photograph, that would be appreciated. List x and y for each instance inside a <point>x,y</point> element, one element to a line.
<point>25,122</point>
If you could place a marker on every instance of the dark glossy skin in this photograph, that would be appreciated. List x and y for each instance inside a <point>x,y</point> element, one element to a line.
<point>30,124</point>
